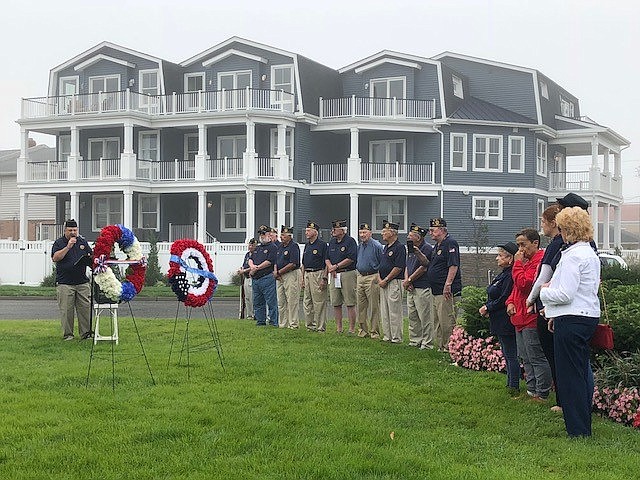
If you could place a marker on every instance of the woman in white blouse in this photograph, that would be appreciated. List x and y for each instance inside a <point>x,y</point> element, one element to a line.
<point>573,309</point>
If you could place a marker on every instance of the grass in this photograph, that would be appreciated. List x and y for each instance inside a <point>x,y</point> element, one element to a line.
<point>291,404</point>
<point>223,291</point>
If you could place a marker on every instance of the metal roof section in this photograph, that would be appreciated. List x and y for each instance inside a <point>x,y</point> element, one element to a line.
<point>476,109</point>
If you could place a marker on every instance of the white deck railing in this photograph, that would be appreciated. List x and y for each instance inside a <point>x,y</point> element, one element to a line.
<point>182,231</point>
<point>155,105</point>
<point>224,168</point>
<point>328,173</point>
<point>49,231</point>
<point>51,170</point>
<point>267,167</point>
<point>397,173</point>
<point>165,170</point>
<point>99,169</point>
<point>377,107</point>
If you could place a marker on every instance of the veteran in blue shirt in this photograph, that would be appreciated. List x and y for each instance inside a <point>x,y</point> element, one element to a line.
<point>341,266</point>
<point>390,275</point>
<point>261,267</point>
<point>288,279</point>
<point>314,279</point>
<point>367,290</point>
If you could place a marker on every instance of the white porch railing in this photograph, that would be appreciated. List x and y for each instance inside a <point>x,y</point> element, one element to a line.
<point>397,173</point>
<point>224,168</point>
<point>166,170</point>
<point>154,105</point>
<point>99,169</point>
<point>377,107</point>
<point>182,231</point>
<point>268,167</point>
<point>51,170</point>
<point>49,231</point>
<point>586,180</point>
<point>328,173</point>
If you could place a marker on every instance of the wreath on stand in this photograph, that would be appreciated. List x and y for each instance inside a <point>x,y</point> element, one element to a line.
<point>191,273</point>
<point>104,276</point>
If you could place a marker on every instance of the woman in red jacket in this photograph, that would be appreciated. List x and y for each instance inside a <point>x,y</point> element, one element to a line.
<point>525,268</point>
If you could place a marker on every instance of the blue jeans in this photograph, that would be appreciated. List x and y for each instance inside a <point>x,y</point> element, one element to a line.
<point>265,297</point>
<point>510,353</point>
<point>575,377</point>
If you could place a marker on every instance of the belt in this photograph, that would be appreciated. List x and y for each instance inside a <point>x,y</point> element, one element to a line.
<point>262,273</point>
<point>342,270</point>
<point>311,270</point>
<point>366,274</point>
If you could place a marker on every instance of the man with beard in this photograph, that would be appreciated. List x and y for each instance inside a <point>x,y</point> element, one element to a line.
<point>264,283</point>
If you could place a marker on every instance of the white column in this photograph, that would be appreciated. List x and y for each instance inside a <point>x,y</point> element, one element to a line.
<point>594,151</point>
<point>251,214</point>
<point>617,226</point>
<point>251,136</point>
<point>281,153</point>
<point>249,156</point>
<point>74,208</point>
<point>617,165</point>
<point>605,227</point>
<point>202,156</point>
<point>281,202</point>
<point>605,158</point>
<point>594,170</point>
<point>21,171</point>
<point>353,215</point>
<point>353,162</point>
<point>128,158</point>
<point>74,155</point>
<point>24,216</point>
<point>127,208</point>
<point>202,216</point>
<point>594,217</point>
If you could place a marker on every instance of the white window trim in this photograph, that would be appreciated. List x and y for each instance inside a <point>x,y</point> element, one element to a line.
<point>235,78</point>
<point>521,169</point>
<point>474,199</point>
<point>544,89</point>
<point>388,79</point>
<point>546,158</point>
<point>540,207</point>
<point>150,132</point>
<point>274,147</point>
<point>237,197</point>
<point>500,153</point>
<point>571,105</point>
<point>94,228</point>
<point>376,228</point>
<point>72,77</point>
<point>273,75</point>
<point>187,76</point>
<point>60,152</point>
<point>149,70</point>
<point>229,137</point>
<point>273,207</point>
<point>187,136</point>
<point>106,77</point>
<point>157,199</point>
<point>464,152</point>
<point>103,140</point>
<point>456,80</point>
<point>387,144</point>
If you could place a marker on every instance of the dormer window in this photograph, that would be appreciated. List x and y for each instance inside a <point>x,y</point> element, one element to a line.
<point>567,109</point>
<point>457,86</point>
<point>544,90</point>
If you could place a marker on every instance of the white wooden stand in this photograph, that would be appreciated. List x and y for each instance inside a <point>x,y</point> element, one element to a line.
<point>112,310</point>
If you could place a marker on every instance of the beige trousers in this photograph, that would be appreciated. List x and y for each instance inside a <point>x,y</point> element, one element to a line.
<point>288,288</point>
<point>315,301</point>
<point>420,319</point>
<point>70,298</point>
<point>368,300</point>
<point>391,311</point>
<point>444,315</point>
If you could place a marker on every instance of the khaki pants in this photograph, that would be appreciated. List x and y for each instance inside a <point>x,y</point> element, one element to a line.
<point>289,298</point>
<point>248,298</point>
<point>444,315</point>
<point>315,301</point>
<point>391,311</point>
<point>70,298</point>
<point>347,293</point>
<point>368,299</point>
<point>420,319</point>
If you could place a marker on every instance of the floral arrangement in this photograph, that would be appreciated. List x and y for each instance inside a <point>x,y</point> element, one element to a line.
<point>191,273</point>
<point>104,276</point>
<point>475,353</point>
<point>620,404</point>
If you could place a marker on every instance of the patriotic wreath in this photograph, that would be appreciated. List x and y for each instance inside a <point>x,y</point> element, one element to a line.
<point>191,273</point>
<point>137,264</point>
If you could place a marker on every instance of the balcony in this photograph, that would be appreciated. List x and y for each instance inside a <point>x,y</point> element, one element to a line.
<point>374,173</point>
<point>47,171</point>
<point>248,99</point>
<point>585,181</point>
<point>368,107</point>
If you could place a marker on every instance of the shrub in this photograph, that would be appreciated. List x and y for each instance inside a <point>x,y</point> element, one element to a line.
<point>616,370</point>
<point>625,321</point>
<point>49,280</point>
<point>154,275</point>
<point>472,299</point>
<point>620,294</point>
<point>237,279</point>
<point>630,276</point>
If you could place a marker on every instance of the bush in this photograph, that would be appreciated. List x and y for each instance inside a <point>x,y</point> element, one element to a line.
<point>624,276</point>
<point>616,370</point>
<point>472,299</point>
<point>49,280</point>
<point>237,279</point>
<point>620,294</point>
<point>625,321</point>
<point>153,275</point>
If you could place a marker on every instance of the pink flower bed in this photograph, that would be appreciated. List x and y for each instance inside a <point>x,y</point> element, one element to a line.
<point>620,404</point>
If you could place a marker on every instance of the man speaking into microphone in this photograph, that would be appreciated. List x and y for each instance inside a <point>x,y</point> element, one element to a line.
<point>72,284</point>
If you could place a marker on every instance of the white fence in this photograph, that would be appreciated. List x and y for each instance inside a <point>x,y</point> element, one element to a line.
<point>27,263</point>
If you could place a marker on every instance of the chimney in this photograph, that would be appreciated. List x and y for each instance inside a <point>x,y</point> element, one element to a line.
<point>31,142</point>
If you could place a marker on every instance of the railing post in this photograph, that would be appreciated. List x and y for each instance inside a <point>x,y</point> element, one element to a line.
<point>73,104</point>
<point>223,103</point>
<point>433,108</point>
<point>48,170</point>
<point>174,103</point>
<point>127,100</point>
<point>397,172</point>
<point>248,100</point>
<point>320,108</point>
<point>100,168</point>
<point>313,177</point>
<point>199,101</point>
<point>353,105</point>
<point>394,109</point>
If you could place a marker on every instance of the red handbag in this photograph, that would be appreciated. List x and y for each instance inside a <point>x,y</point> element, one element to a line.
<point>603,336</point>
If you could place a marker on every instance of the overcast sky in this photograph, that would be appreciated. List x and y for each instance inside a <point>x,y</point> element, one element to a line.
<point>587,46</point>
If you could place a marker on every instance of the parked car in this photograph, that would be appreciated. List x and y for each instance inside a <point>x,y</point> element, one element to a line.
<point>610,260</point>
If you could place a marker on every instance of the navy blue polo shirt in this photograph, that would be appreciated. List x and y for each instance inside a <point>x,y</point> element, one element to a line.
<point>444,255</point>
<point>338,251</point>
<point>314,255</point>
<point>66,272</point>
<point>287,255</point>
<point>394,255</point>
<point>245,263</point>
<point>264,252</point>
<point>413,264</point>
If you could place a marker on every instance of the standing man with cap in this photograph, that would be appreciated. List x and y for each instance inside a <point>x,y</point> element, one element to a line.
<point>72,285</point>
<point>367,290</point>
<point>445,281</point>
<point>390,275</point>
<point>288,279</point>
<point>418,290</point>
<point>264,283</point>
<point>314,279</point>
<point>246,300</point>
<point>341,266</point>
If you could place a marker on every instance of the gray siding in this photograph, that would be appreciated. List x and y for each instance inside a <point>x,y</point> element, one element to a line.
<point>317,81</point>
<point>551,107</point>
<point>450,99</point>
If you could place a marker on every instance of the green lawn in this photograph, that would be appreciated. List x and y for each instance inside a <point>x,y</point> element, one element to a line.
<point>162,291</point>
<point>291,404</point>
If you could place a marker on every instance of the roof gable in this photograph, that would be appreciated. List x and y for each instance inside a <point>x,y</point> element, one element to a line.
<point>221,46</point>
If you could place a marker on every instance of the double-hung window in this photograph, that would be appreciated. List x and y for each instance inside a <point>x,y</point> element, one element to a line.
<point>516,154</point>
<point>389,208</point>
<point>149,211</point>
<point>487,153</point>
<point>282,81</point>
<point>107,210</point>
<point>148,155</point>
<point>193,85</point>
<point>458,89</point>
<point>458,160</point>
<point>288,203</point>
<point>541,158</point>
<point>567,108</point>
<point>149,88</point>
<point>487,208</point>
<point>233,217</point>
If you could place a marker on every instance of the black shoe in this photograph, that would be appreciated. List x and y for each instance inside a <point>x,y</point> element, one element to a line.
<point>86,336</point>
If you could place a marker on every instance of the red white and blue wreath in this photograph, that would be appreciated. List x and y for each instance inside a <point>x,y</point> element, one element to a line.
<point>191,273</point>
<point>102,259</point>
